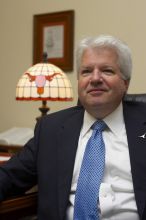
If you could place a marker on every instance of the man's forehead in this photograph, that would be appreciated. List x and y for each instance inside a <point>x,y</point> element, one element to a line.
<point>103,59</point>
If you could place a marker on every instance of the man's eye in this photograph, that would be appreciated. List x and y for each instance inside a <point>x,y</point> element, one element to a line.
<point>108,72</point>
<point>85,71</point>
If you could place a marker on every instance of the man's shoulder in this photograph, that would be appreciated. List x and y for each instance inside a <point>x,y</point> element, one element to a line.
<point>65,113</point>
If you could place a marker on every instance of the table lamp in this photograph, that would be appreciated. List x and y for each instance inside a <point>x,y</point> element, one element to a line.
<point>43,82</point>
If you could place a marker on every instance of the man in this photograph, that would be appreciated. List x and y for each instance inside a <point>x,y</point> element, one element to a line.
<point>53,158</point>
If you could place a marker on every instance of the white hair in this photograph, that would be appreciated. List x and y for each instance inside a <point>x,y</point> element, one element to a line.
<point>106,41</point>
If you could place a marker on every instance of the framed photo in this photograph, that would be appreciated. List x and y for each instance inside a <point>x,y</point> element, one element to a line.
<point>53,36</point>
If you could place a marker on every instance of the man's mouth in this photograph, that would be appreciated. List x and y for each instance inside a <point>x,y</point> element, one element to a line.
<point>96,91</point>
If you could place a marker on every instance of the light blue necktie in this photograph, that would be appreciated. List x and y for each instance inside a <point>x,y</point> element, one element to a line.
<point>91,173</point>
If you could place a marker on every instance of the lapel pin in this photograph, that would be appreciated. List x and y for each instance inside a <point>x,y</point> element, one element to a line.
<point>143,136</point>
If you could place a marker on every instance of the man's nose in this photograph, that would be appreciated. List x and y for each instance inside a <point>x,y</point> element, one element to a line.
<point>96,75</point>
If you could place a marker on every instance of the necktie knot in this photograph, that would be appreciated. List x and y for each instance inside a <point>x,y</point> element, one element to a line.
<point>99,125</point>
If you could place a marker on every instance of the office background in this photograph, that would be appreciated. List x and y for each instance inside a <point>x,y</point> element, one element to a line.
<point>125,19</point>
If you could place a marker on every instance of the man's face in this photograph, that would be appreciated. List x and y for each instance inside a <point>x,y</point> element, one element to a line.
<point>100,85</point>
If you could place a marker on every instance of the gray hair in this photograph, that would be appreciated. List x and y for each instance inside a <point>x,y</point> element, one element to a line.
<point>106,41</point>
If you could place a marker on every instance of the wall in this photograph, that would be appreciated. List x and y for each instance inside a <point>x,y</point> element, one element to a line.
<point>125,19</point>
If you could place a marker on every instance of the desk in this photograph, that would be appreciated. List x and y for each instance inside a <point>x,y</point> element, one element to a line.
<point>19,208</point>
<point>23,207</point>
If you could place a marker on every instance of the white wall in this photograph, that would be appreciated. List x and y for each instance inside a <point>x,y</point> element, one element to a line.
<point>125,19</point>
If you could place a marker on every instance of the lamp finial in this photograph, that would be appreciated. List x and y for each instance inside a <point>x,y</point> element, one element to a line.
<point>45,57</point>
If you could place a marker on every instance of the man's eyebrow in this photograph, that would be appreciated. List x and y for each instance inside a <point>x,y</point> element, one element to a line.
<point>87,66</point>
<point>107,66</point>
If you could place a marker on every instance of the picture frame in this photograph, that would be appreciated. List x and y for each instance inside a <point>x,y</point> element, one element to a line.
<point>54,36</point>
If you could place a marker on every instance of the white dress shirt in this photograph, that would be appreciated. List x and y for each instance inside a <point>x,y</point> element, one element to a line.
<point>116,195</point>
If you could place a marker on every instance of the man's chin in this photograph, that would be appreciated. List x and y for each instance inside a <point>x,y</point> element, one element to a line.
<point>96,101</point>
<point>95,104</point>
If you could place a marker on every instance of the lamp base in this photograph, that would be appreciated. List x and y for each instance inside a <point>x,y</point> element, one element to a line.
<point>43,109</point>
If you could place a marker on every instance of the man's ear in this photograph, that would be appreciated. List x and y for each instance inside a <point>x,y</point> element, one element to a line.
<point>127,82</point>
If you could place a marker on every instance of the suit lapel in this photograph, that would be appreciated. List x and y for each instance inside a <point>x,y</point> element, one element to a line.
<point>67,145</point>
<point>134,116</point>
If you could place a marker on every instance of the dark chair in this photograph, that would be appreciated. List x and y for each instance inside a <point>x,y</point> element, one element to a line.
<point>135,97</point>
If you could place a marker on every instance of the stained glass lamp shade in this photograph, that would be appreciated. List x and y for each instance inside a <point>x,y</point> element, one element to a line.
<point>44,81</point>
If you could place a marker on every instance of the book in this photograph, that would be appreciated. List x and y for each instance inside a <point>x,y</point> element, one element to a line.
<point>16,136</point>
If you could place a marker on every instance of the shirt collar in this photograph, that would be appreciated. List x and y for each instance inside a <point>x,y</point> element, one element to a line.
<point>115,121</point>
<point>87,122</point>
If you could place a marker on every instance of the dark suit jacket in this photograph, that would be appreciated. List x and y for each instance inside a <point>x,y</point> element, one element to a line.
<point>48,160</point>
